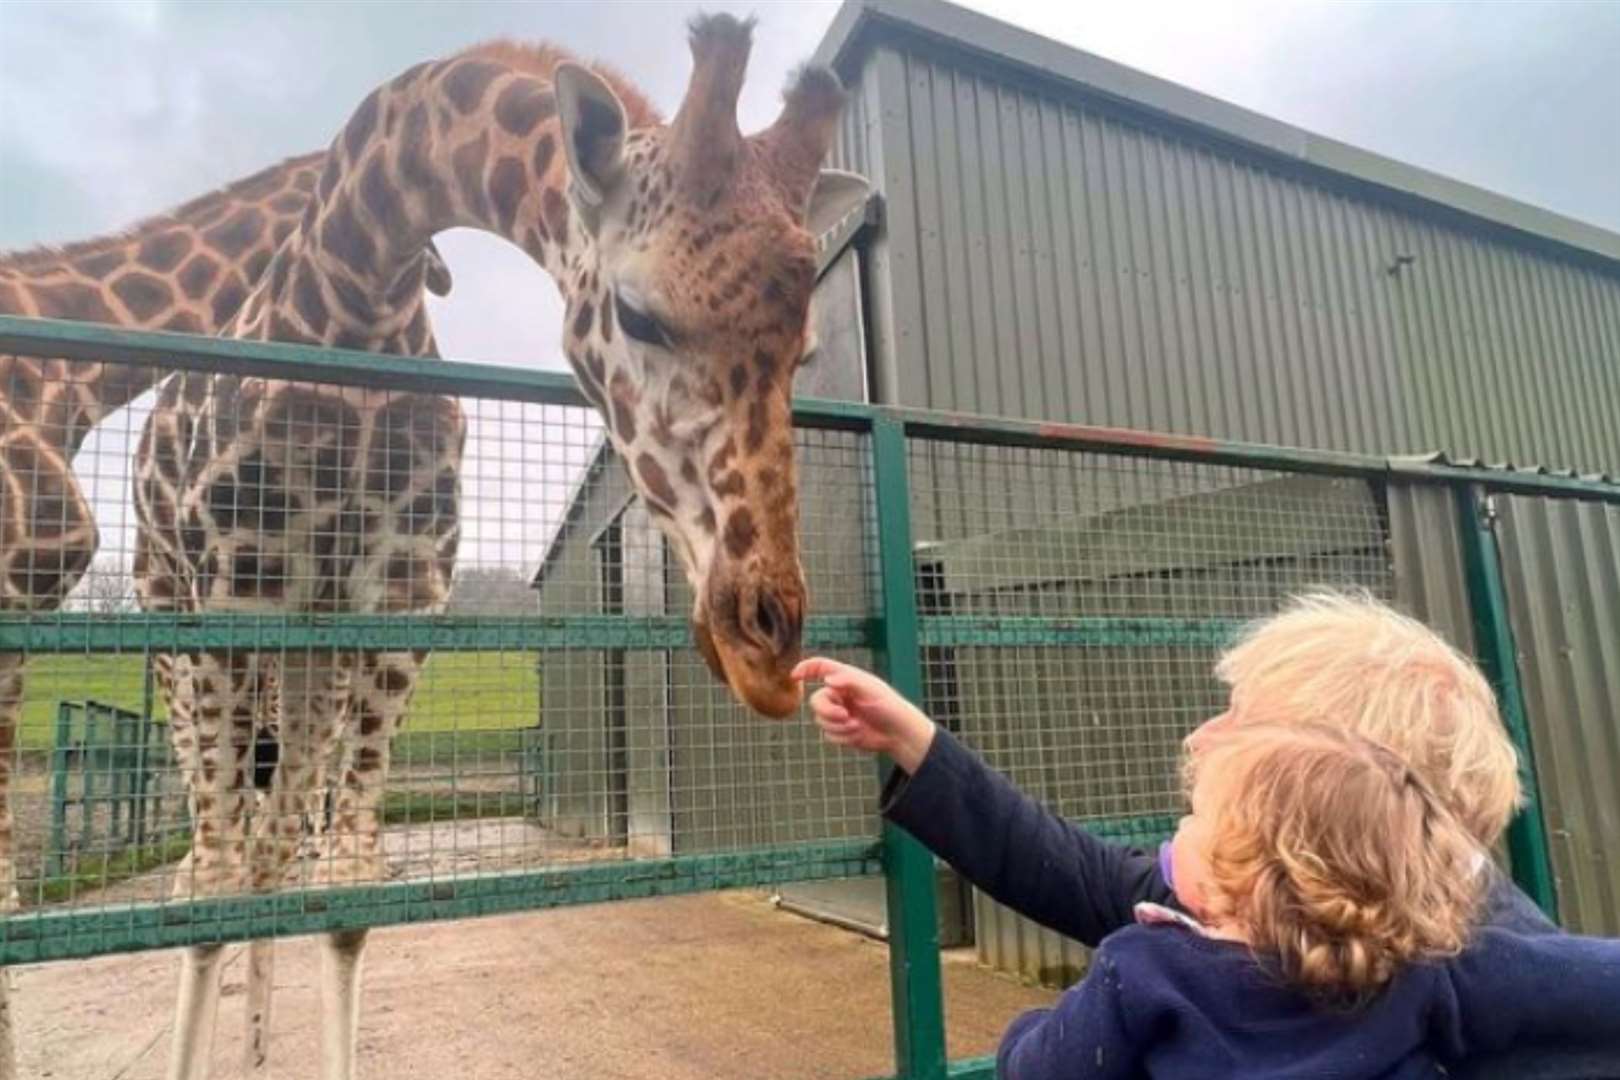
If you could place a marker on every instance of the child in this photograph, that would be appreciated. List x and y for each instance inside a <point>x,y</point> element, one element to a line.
<point>1347,662</point>
<point>1321,872</point>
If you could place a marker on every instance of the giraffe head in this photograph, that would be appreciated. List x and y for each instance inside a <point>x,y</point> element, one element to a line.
<point>686,320</point>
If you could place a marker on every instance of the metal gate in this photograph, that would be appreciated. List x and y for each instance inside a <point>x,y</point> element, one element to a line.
<point>1057,595</point>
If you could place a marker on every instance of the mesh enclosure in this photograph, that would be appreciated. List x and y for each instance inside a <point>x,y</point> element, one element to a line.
<point>1075,605</point>
<point>279,565</point>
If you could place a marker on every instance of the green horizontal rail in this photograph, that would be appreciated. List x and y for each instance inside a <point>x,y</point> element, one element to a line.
<point>76,633</point>
<point>981,1068</point>
<point>385,633</point>
<point>459,378</point>
<point>43,935</point>
<point>941,630</point>
<point>341,367</point>
<point>1144,829</point>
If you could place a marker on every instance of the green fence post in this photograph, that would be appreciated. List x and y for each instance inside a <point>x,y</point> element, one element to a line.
<point>914,966</point>
<point>1493,637</point>
<point>143,757</point>
<point>55,859</point>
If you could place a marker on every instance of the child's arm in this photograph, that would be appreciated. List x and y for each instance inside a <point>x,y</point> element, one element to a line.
<point>1515,991</point>
<point>1085,1034</point>
<point>1000,839</point>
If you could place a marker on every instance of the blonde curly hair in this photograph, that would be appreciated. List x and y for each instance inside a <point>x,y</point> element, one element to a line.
<point>1346,659</point>
<point>1336,857</point>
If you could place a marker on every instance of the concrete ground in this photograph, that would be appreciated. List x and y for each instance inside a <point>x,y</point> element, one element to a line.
<point>713,986</point>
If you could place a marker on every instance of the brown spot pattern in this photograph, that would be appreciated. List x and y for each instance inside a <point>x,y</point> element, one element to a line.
<point>582,319</point>
<point>655,481</point>
<point>466,82</point>
<point>197,275</point>
<point>143,294</point>
<point>361,125</point>
<point>377,192</point>
<point>164,251</point>
<point>467,162</point>
<point>522,105</point>
<point>307,299</point>
<point>554,211</point>
<point>740,532</point>
<point>507,183</point>
<point>74,300</point>
<point>236,233</point>
<point>227,298</point>
<point>100,265</point>
<point>545,149</point>
<point>624,416</point>
<point>343,237</point>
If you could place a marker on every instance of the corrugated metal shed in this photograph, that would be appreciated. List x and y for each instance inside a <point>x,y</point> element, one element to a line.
<point>1072,240</point>
<point>1561,567</point>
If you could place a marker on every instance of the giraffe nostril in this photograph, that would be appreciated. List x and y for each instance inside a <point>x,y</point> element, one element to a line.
<point>774,620</point>
<point>770,617</point>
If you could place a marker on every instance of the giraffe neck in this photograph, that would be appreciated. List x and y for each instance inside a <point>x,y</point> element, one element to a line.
<point>466,143</point>
<point>187,270</point>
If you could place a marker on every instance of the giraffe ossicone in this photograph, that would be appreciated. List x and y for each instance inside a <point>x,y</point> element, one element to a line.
<point>687,323</point>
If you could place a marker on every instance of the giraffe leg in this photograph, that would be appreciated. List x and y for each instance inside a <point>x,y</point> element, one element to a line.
<point>260,983</point>
<point>211,720</point>
<point>380,695</point>
<point>11,695</point>
<point>193,1044</point>
<point>265,681</point>
<point>11,702</point>
<point>381,691</point>
<point>310,692</point>
<point>341,957</point>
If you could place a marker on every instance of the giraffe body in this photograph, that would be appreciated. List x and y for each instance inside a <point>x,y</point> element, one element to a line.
<point>685,257</point>
<point>188,271</point>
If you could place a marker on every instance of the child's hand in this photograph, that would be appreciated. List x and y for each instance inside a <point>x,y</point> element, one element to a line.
<point>856,708</point>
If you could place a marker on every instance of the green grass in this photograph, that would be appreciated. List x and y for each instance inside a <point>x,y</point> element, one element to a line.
<point>399,808</point>
<point>471,693</point>
<point>111,870</point>
<point>419,808</point>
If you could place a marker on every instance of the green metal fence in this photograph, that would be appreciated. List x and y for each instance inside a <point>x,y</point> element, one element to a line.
<point>1055,594</point>
<point>108,767</point>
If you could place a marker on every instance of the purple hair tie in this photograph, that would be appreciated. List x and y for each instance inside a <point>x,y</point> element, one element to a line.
<point>1164,864</point>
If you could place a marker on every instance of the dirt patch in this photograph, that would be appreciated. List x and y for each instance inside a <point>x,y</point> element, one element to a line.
<point>714,986</point>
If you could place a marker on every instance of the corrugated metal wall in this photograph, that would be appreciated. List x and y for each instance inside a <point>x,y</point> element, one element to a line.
<point>1426,553</point>
<point>1049,257</point>
<point>1561,565</point>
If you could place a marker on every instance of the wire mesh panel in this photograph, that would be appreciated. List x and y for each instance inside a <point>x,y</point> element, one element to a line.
<point>1078,602</point>
<point>425,649</point>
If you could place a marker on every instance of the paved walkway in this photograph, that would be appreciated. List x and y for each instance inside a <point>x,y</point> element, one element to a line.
<point>708,987</point>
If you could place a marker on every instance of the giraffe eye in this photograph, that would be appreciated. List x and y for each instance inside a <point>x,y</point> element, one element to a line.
<point>640,326</point>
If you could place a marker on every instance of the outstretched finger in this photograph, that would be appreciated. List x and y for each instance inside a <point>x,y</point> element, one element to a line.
<point>816,667</point>
<point>828,705</point>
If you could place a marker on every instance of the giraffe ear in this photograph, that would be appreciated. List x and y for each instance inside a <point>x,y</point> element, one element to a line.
<point>836,195</point>
<point>438,272</point>
<point>593,129</point>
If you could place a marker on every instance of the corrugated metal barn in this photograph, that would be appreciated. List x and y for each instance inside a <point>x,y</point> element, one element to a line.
<point>1061,238</point>
<point>1068,239</point>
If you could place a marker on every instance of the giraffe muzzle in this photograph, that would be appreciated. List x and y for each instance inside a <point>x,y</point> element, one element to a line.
<point>751,639</point>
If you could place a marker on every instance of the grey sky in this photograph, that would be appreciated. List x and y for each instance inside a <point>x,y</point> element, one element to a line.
<point>113,111</point>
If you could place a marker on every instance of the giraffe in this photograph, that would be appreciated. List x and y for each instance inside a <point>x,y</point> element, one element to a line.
<point>685,256</point>
<point>186,270</point>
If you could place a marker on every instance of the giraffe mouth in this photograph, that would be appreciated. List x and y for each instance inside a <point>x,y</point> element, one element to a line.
<point>768,689</point>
